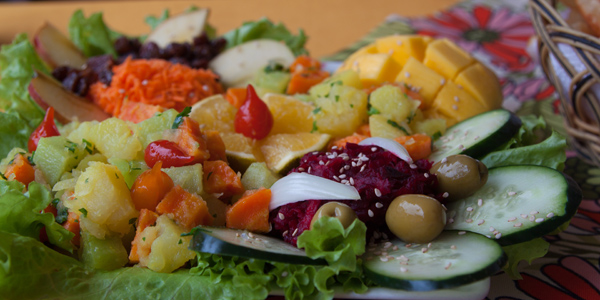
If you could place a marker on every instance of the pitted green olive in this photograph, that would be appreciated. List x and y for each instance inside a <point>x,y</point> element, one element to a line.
<point>337,210</point>
<point>415,218</point>
<point>460,176</point>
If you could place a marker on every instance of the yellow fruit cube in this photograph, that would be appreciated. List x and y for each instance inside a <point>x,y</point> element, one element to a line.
<point>342,112</point>
<point>421,78</point>
<point>456,104</point>
<point>402,47</point>
<point>393,103</point>
<point>446,58</point>
<point>347,65</point>
<point>482,84</point>
<point>169,249</point>
<point>381,126</point>
<point>374,69</point>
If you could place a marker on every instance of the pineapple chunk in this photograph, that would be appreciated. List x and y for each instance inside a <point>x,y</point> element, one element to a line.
<point>342,112</point>
<point>347,78</point>
<point>103,201</point>
<point>374,69</point>
<point>422,78</point>
<point>482,84</point>
<point>381,126</point>
<point>112,137</point>
<point>456,104</point>
<point>393,103</point>
<point>430,127</point>
<point>169,250</point>
<point>403,47</point>
<point>446,58</point>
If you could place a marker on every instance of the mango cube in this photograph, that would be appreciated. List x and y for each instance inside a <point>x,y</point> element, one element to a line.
<point>349,62</point>
<point>446,58</point>
<point>425,80</point>
<point>482,84</point>
<point>456,104</point>
<point>403,47</point>
<point>374,69</point>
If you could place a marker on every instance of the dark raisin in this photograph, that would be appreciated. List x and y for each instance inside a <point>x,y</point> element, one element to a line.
<point>123,45</point>
<point>176,50</point>
<point>199,63</point>
<point>150,50</point>
<point>202,39</point>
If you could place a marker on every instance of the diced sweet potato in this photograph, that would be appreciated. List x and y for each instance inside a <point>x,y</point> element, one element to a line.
<point>187,209</point>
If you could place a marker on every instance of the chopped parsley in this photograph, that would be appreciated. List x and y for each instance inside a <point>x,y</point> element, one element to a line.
<point>30,158</point>
<point>144,238</point>
<point>396,125</point>
<point>2,176</point>
<point>436,135</point>
<point>179,119</point>
<point>83,211</point>
<point>314,128</point>
<point>208,176</point>
<point>316,110</point>
<point>274,67</point>
<point>71,146</point>
<point>337,98</point>
<point>373,111</point>
<point>180,242</point>
<point>89,147</point>
<point>192,232</point>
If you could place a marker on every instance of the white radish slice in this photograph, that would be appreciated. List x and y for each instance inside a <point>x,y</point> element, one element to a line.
<point>389,145</point>
<point>298,187</point>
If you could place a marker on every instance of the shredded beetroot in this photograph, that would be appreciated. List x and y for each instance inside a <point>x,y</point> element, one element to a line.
<point>378,175</point>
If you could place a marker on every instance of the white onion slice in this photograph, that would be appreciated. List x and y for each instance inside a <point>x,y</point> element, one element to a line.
<point>389,145</point>
<point>298,187</point>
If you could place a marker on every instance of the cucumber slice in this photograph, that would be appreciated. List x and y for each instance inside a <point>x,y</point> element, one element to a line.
<point>232,242</point>
<point>518,203</point>
<point>477,136</point>
<point>452,259</point>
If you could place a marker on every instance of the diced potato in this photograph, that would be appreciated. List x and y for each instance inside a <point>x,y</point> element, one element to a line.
<point>188,177</point>
<point>347,77</point>
<point>455,103</point>
<point>169,249</point>
<point>393,103</point>
<point>374,69</point>
<point>103,201</point>
<point>403,47</point>
<point>112,137</point>
<point>430,127</point>
<point>342,112</point>
<point>446,58</point>
<point>422,78</point>
<point>482,84</point>
<point>382,127</point>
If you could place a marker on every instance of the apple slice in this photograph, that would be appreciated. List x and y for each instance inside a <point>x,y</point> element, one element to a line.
<point>180,28</point>
<point>46,91</point>
<point>56,49</point>
<point>239,64</point>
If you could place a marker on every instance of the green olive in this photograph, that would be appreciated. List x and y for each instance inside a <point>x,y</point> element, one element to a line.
<point>415,218</point>
<point>460,176</point>
<point>337,210</point>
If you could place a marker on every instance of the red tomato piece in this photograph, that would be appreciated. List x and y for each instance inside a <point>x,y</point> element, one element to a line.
<point>254,118</point>
<point>46,129</point>
<point>168,152</point>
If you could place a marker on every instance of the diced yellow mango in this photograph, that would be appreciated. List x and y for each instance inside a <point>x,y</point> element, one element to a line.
<point>402,47</point>
<point>456,104</point>
<point>446,58</point>
<point>482,84</point>
<point>420,77</point>
<point>347,65</point>
<point>374,69</point>
<point>381,126</point>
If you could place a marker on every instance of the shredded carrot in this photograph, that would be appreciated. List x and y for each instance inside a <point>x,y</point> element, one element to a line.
<point>154,82</point>
<point>341,143</point>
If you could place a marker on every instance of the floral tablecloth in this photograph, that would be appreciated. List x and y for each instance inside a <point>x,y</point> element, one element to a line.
<point>498,33</point>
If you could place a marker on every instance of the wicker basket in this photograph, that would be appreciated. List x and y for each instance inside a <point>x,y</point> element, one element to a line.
<point>558,44</point>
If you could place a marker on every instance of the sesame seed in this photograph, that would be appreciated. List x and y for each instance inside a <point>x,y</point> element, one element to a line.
<point>448,266</point>
<point>403,258</point>
<point>443,81</point>
<point>518,225</point>
<point>364,158</point>
<point>334,148</point>
<point>237,235</point>
<point>403,269</point>
<point>426,175</point>
<point>395,248</point>
<point>539,220</point>
<point>336,178</point>
<point>351,181</point>
<point>144,82</point>
<point>534,212</point>
<point>285,233</point>
<point>462,232</point>
<point>444,160</point>
<point>456,98</point>
<point>450,221</point>
<point>281,216</point>
<point>205,88</point>
<point>454,107</point>
<point>377,192</point>
<point>445,195</point>
<point>412,166</point>
<point>469,220</point>
<point>321,162</point>
<point>524,216</point>
<point>341,170</point>
<point>444,207</point>
<point>429,245</point>
<point>346,167</point>
<point>344,181</point>
<point>492,229</point>
<point>399,42</point>
<point>498,236</point>
<point>387,245</point>
<point>453,247</point>
<point>469,208</point>
<point>488,236</point>
<point>309,169</point>
<point>250,235</point>
<point>479,202</point>
<point>512,219</point>
<point>342,176</point>
<point>391,52</point>
<point>354,164</point>
<point>408,245</point>
<point>481,222</point>
<point>301,169</point>
<point>550,215</point>
<point>512,193</point>
<point>476,138</point>
<point>424,250</point>
<point>122,91</point>
<point>407,75</point>
<point>378,205</point>
<point>462,147</point>
<point>383,258</point>
<point>531,218</point>
<point>284,274</point>
<point>371,214</point>
<point>362,168</point>
<point>295,231</point>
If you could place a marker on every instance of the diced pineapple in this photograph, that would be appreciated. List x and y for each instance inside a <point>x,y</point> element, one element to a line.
<point>169,250</point>
<point>430,127</point>
<point>103,201</point>
<point>112,137</point>
<point>393,103</point>
<point>403,47</point>
<point>130,169</point>
<point>482,84</point>
<point>455,103</point>
<point>381,126</point>
<point>342,112</point>
<point>85,162</point>
<point>446,58</point>
<point>374,69</point>
<point>347,77</point>
<point>151,129</point>
<point>422,78</point>
<point>56,155</point>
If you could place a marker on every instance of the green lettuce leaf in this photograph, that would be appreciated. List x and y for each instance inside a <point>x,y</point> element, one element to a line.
<point>526,251</point>
<point>265,29</point>
<point>20,213</point>
<point>154,21</point>
<point>91,35</point>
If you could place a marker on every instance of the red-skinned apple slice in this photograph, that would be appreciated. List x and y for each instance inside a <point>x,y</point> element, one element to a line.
<point>180,28</point>
<point>56,49</point>
<point>46,91</point>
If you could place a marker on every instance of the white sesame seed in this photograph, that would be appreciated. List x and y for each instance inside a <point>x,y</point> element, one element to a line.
<point>426,175</point>
<point>399,42</point>
<point>453,247</point>
<point>342,176</point>
<point>395,248</point>
<point>295,231</point>
<point>454,107</point>
<point>512,193</point>
<point>476,138</point>
<point>524,216</point>
<point>122,91</point>
<point>443,81</point>
<point>377,192</point>
<point>461,146</point>
<point>550,215</point>
<point>412,166</point>
<point>321,163</point>
<point>408,245</point>
<point>512,219</point>
<point>407,75</point>
<point>518,225</point>
<point>362,168</point>
<point>250,235</point>
<point>336,178</point>
<point>456,98</point>
<point>498,236</point>
<point>403,258</point>
<point>391,51</point>
<point>469,220</point>
<point>429,245</point>
<point>281,216</point>
<point>450,220</point>
<point>445,195</point>
<point>351,181</point>
<point>364,158</point>
<point>346,167</point>
<point>492,229</point>
<point>488,236</point>
<point>403,269</point>
<point>285,233</point>
<point>469,208</point>
<point>301,169</point>
<point>481,222</point>
<point>334,148</point>
<point>462,232</point>
<point>341,170</point>
<point>309,169</point>
<point>424,250</point>
<point>383,258</point>
<point>344,181</point>
<point>448,266</point>
<point>531,218</point>
<point>371,214</point>
<point>144,82</point>
<point>237,235</point>
<point>444,160</point>
<point>534,212</point>
<point>378,205</point>
<point>479,202</point>
<point>539,220</point>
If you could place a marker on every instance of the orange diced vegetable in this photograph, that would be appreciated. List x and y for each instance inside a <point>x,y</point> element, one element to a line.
<point>302,81</point>
<point>417,145</point>
<point>236,96</point>
<point>251,212</point>
<point>20,169</point>
<point>72,225</point>
<point>187,209</point>
<point>190,140</point>
<point>215,145</point>
<point>354,138</point>
<point>146,218</point>
<point>150,187</point>
<point>303,63</point>
<point>220,178</point>
<point>138,111</point>
<point>364,129</point>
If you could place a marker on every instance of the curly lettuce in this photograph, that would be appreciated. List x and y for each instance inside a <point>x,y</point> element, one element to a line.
<point>265,29</point>
<point>91,35</point>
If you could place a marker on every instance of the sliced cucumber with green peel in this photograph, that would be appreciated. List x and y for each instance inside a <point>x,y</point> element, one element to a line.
<point>454,258</point>
<point>477,136</point>
<point>232,242</point>
<point>517,204</point>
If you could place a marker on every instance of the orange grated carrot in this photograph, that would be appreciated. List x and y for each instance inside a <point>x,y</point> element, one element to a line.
<point>154,82</point>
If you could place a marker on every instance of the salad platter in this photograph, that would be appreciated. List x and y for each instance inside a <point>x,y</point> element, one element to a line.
<point>198,164</point>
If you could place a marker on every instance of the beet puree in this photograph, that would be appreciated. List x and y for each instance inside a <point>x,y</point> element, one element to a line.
<point>377,174</point>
